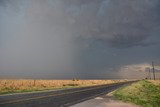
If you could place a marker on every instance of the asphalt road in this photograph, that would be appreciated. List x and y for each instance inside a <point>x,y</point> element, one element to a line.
<point>61,98</point>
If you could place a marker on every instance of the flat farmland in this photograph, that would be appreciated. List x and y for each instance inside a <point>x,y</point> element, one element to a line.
<point>8,86</point>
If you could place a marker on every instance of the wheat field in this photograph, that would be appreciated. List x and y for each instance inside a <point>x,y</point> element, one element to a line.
<point>27,85</point>
<point>155,82</point>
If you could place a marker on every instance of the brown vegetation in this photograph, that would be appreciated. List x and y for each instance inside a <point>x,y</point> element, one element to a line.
<point>16,85</point>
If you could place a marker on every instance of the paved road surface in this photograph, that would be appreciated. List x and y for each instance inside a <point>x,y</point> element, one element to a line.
<point>61,98</point>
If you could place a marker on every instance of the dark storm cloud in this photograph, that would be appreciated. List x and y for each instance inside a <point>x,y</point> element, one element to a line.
<point>77,38</point>
<point>118,23</point>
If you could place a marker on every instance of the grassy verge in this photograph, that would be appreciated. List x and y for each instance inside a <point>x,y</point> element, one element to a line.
<point>145,93</point>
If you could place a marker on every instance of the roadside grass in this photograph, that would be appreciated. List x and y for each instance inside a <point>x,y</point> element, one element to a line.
<point>8,86</point>
<point>144,93</point>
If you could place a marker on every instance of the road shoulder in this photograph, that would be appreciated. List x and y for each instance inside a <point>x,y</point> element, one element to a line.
<point>107,100</point>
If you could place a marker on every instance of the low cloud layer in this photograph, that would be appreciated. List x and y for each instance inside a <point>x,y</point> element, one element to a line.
<point>62,39</point>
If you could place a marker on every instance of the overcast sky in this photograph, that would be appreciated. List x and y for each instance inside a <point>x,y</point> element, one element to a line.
<point>85,39</point>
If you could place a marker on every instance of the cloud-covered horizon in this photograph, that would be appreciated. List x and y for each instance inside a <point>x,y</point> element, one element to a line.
<point>86,39</point>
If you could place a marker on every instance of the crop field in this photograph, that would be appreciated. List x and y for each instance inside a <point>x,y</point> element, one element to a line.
<point>28,85</point>
<point>155,82</point>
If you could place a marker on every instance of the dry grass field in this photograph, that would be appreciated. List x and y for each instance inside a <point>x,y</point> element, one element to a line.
<point>27,85</point>
<point>155,82</point>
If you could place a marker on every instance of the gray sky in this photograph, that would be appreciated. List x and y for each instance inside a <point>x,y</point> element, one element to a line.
<point>86,39</point>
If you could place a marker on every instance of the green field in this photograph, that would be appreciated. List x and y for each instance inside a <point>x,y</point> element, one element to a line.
<point>144,93</point>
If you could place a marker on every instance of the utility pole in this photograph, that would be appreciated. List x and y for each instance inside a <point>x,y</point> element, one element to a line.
<point>153,70</point>
<point>149,73</point>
